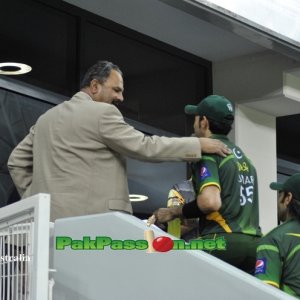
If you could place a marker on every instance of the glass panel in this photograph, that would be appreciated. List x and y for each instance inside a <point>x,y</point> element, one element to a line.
<point>17,114</point>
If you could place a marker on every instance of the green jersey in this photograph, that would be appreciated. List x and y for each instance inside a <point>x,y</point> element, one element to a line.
<point>236,178</point>
<point>278,258</point>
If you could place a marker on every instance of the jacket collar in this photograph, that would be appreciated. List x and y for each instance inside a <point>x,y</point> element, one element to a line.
<point>82,96</point>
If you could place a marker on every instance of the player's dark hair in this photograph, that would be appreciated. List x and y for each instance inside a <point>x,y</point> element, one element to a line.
<point>217,127</point>
<point>294,208</point>
<point>100,71</point>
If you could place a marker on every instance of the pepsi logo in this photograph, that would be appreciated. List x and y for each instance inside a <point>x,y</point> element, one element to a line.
<point>259,263</point>
<point>261,266</point>
<point>203,171</point>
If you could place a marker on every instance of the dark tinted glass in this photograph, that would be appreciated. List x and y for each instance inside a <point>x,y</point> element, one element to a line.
<point>17,114</point>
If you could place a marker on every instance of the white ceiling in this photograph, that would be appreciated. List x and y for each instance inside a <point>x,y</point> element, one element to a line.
<point>172,26</point>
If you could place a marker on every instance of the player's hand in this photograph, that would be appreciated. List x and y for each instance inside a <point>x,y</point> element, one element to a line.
<point>163,215</point>
<point>209,145</point>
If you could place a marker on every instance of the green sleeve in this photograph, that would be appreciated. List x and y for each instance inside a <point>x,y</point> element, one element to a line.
<point>205,173</point>
<point>268,266</point>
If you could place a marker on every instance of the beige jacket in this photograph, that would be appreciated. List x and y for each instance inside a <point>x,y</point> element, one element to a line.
<point>76,153</point>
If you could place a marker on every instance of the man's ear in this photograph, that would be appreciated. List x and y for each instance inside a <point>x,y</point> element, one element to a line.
<point>205,123</point>
<point>95,86</point>
<point>288,198</point>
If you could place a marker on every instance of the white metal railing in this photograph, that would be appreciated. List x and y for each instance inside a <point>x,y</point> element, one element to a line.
<point>24,249</point>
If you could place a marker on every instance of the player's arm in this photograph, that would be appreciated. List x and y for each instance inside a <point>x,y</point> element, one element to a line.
<point>268,267</point>
<point>209,200</point>
<point>207,185</point>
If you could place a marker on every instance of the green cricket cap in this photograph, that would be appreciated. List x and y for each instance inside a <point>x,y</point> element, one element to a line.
<point>214,107</point>
<point>292,185</point>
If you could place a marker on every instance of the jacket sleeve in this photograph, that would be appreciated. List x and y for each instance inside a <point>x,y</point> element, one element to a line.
<point>20,163</point>
<point>126,140</point>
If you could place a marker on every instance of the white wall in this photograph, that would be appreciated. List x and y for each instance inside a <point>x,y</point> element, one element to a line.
<point>255,133</point>
<point>277,17</point>
<point>251,78</point>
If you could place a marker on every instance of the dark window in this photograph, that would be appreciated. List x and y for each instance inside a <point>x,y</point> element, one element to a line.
<point>158,84</point>
<point>17,114</point>
<point>42,37</point>
<point>61,41</point>
<point>288,132</point>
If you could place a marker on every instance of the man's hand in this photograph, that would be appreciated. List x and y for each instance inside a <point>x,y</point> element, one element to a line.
<point>163,215</point>
<point>209,145</point>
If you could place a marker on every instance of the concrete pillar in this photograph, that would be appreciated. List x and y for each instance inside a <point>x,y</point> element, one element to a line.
<point>255,133</point>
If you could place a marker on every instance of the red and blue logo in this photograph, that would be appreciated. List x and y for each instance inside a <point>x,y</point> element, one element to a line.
<point>260,266</point>
<point>204,173</point>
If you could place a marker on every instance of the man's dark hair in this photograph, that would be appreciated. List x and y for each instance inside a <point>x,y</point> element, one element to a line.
<point>100,71</point>
<point>294,208</point>
<point>218,128</point>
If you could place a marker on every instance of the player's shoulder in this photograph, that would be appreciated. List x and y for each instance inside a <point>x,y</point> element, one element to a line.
<point>210,157</point>
<point>283,232</point>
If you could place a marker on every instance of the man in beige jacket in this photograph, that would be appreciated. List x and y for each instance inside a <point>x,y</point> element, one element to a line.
<point>75,151</point>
